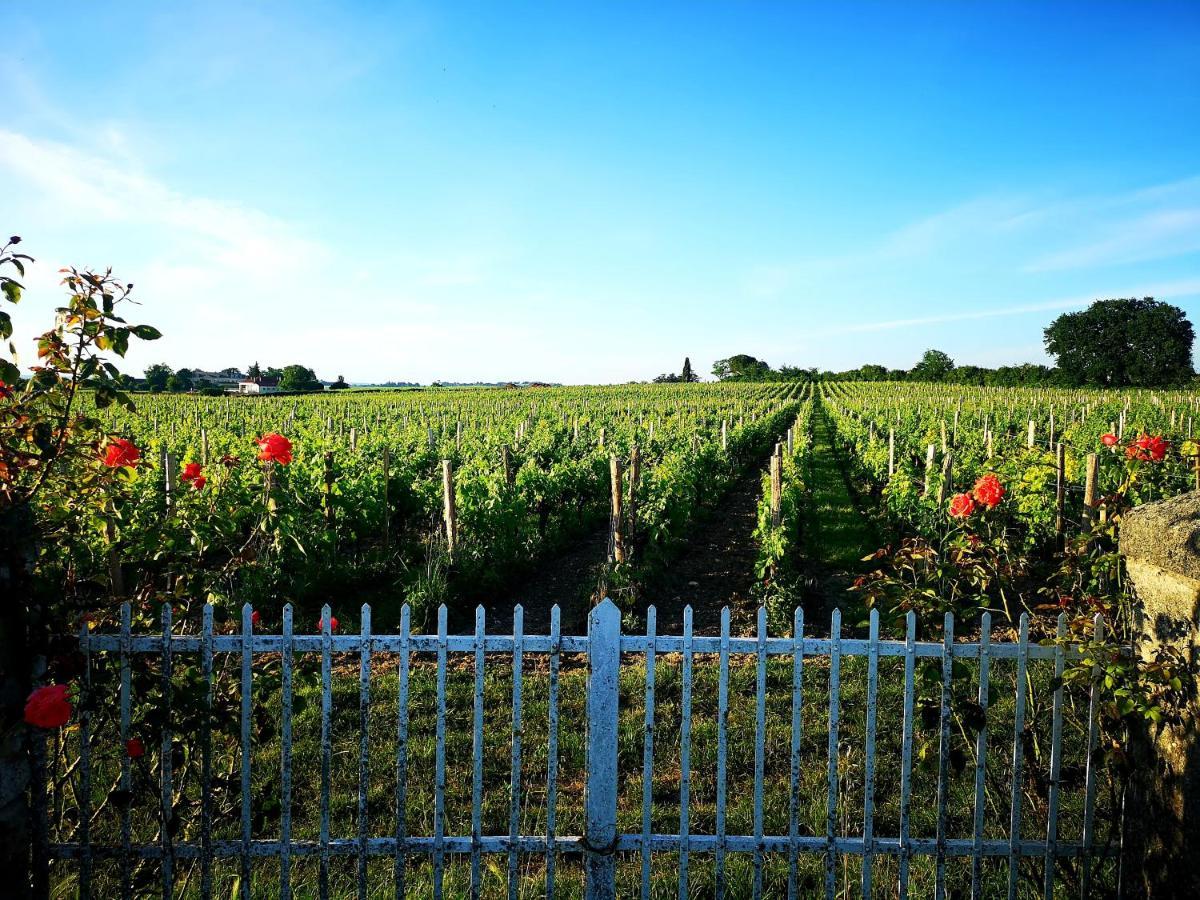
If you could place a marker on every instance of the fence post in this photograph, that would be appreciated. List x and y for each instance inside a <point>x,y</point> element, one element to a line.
<point>604,667</point>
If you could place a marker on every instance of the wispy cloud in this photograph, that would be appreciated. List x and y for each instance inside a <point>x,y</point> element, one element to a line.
<point>1160,290</point>
<point>1156,235</point>
<point>1020,233</point>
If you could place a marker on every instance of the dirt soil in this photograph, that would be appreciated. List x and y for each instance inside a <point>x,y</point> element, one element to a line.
<point>569,578</point>
<point>714,569</point>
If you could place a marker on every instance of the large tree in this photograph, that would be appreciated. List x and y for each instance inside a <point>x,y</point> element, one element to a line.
<point>1123,343</point>
<point>298,378</point>
<point>741,367</point>
<point>157,375</point>
<point>687,375</point>
<point>934,366</point>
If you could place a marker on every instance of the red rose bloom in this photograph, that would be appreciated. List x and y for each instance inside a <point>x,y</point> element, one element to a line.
<point>1148,448</point>
<point>962,505</point>
<point>121,452</point>
<point>988,490</point>
<point>49,706</point>
<point>333,624</point>
<point>199,481</point>
<point>5,391</point>
<point>255,618</point>
<point>134,748</point>
<point>191,471</point>
<point>1109,440</point>
<point>274,448</point>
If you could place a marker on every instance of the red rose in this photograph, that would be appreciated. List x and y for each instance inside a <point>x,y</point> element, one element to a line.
<point>988,490</point>
<point>5,391</point>
<point>1109,440</point>
<point>199,482</point>
<point>333,624</point>
<point>121,452</point>
<point>49,706</point>
<point>961,506</point>
<point>255,618</point>
<point>134,748</point>
<point>274,448</point>
<point>191,471</point>
<point>1148,448</point>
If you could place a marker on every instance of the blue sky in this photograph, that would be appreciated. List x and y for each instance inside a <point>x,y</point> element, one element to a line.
<point>590,192</point>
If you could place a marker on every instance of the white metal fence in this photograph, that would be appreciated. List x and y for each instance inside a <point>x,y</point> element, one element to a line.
<point>602,843</point>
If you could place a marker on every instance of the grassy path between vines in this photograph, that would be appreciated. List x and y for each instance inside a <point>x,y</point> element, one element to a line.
<point>839,533</point>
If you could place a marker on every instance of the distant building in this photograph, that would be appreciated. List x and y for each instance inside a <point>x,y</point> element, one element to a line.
<point>224,378</point>
<point>262,384</point>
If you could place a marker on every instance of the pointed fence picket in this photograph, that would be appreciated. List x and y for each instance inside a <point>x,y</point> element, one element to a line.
<point>602,843</point>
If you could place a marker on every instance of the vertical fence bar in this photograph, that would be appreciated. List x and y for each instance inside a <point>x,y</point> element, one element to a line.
<point>685,756</point>
<point>477,755</point>
<point>326,742</point>
<point>247,694</point>
<point>1055,760</point>
<point>760,741</point>
<point>797,727</point>
<point>285,757</point>
<point>400,864</point>
<point>1014,820</point>
<point>126,774</point>
<point>985,640</point>
<point>514,800</point>
<point>1089,789</point>
<point>906,750</point>
<point>869,763</point>
<point>552,750</point>
<point>835,675</point>
<point>364,748</point>
<point>439,760</point>
<point>85,761</point>
<point>943,785</point>
<point>648,752</point>
<point>722,749</point>
<point>604,670</point>
<point>206,672</point>
<point>166,769</point>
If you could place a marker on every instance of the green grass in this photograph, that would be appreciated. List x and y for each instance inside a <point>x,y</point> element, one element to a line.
<point>839,534</point>
<point>665,810</point>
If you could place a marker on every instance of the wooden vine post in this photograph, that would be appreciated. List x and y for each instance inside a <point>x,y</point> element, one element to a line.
<point>929,456</point>
<point>450,512</point>
<point>947,484</point>
<point>616,540</point>
<point>506,465</point>
<point>891,452</point>
<point>776,488</point>
<point>635,476</point>
<point>170,470</point>
<point>327,490</point>
<point>1060,490</point>
<point>1089,488</point>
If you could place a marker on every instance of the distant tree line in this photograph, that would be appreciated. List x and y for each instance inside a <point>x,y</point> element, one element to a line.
<point>161,378</point>
<point>1112,343</point>
<point>685,376</point>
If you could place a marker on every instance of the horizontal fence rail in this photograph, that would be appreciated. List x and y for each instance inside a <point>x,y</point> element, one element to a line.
<point>599,848</point>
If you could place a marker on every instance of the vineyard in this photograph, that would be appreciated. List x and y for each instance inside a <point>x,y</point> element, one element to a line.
<point>907,511</point>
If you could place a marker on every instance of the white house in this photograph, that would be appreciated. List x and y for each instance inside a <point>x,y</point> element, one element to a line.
<point>262,384</point>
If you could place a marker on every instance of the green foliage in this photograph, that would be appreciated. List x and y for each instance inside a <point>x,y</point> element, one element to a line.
<point>934,366</point>
<point>1123,343</point>
<point>298,378</point>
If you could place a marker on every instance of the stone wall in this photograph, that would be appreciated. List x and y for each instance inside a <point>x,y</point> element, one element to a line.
<point>1161,546</point>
